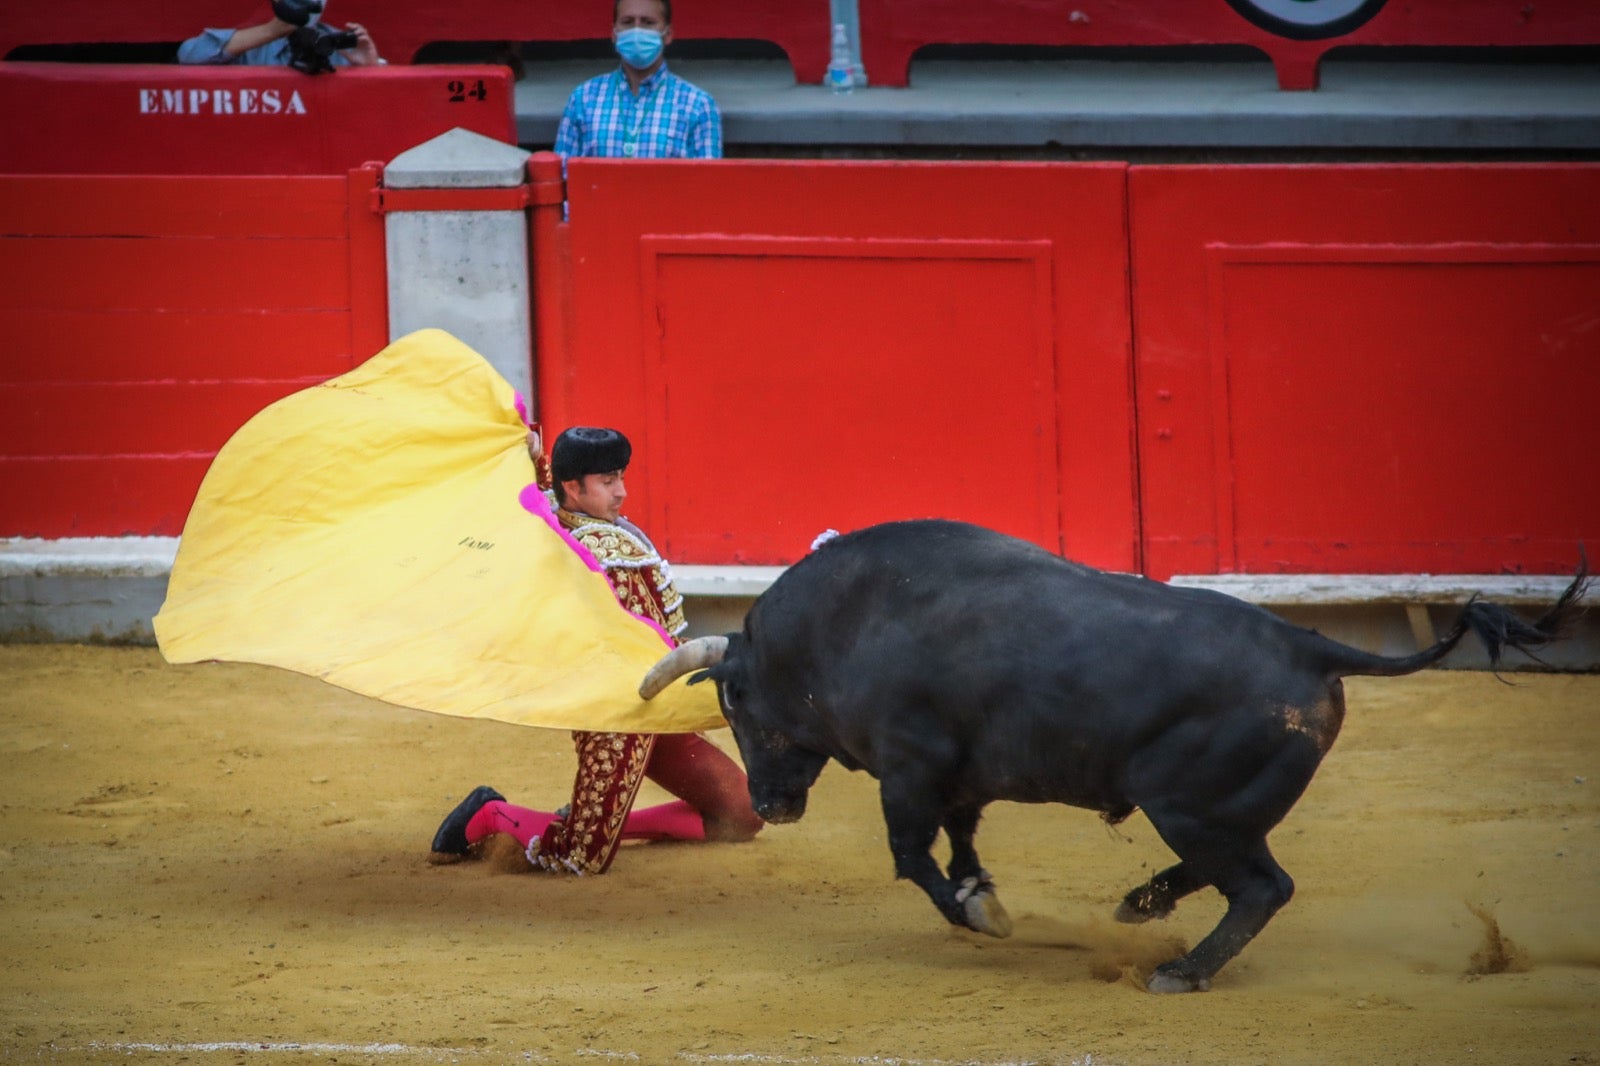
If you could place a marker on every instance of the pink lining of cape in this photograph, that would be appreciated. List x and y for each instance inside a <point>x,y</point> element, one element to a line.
<point>533,501</point>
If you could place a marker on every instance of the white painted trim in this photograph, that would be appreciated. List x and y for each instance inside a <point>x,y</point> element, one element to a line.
<point>1324,590</point>
<point>1278,590</point>
<point>153,556</point>
<point>724,580</point>
<point>109,556</point>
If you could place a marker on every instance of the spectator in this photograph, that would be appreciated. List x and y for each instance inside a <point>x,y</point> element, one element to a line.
<point>267,42</point>
<point>586,471</point>
<point>641,110</point>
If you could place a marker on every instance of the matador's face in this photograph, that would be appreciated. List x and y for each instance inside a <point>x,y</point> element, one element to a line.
<point>597,495</point>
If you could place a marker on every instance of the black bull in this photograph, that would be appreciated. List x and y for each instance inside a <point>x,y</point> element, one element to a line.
<point>960,666</point>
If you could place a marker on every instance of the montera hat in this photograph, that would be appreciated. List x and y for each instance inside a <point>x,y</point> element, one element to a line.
<point>585,450</point>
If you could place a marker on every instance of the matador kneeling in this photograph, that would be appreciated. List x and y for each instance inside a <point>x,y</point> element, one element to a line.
<point>585,474</point>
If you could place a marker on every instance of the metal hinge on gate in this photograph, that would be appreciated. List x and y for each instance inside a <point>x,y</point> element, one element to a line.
<point>514,198</point>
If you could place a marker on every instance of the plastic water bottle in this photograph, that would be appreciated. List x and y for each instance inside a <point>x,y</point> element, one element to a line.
<point>841,72</point>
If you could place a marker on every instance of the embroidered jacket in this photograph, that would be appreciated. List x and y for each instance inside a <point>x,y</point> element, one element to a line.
<point>611,766</point>
<point>641,579</point>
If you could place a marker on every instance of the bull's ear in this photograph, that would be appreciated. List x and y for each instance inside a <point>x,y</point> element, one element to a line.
<point>695,679</point>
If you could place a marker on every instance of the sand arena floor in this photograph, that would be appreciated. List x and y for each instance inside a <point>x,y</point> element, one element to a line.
<point>225,864</point>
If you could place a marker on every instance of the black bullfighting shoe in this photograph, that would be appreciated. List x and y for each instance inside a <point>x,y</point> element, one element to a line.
<point>450,842</point>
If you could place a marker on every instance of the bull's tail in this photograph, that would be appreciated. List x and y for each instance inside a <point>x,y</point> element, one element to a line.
<point>1496,626</point>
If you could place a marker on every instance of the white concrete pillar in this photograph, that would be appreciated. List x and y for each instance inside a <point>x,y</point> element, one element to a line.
<point>465,272</point>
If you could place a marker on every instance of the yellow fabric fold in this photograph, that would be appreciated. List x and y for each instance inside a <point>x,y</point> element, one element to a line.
<point>368,531</point>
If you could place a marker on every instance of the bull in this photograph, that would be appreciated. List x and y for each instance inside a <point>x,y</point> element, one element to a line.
<point>960,666</point>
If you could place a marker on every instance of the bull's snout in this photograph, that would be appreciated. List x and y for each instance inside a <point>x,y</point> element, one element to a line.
<point>781,811</point>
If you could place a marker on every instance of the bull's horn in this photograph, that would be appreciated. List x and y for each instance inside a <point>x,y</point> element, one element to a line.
<point>696,654</point>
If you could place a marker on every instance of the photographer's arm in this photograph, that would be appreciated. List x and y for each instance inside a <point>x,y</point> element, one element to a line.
<point>247,37</point>
<point>226,46</point>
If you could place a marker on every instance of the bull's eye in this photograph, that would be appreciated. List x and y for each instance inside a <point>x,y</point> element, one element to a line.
<point>727,701</point>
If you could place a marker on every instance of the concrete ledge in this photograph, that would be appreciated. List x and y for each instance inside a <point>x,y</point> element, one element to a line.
<point>1326,590</point>
<point>94,589</point>
<point>749,581</point>
<point>957,104</point>
<point>106,590</point>
<point>1268,590</point>
<point>105,556</point>
<point>151,557</point>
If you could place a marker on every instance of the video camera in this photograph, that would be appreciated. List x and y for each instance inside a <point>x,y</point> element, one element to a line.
<point>312,44</point>
<point>311,48</point>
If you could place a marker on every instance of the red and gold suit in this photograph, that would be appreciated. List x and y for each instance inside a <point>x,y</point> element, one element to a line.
<point>611,766</point>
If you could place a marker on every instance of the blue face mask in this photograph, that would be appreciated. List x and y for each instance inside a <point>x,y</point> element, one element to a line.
<point>639,47</point>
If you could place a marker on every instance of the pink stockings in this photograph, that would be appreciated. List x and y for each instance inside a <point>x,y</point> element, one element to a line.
<point>698,772</point>
<point>498,816</point>
<point>714,799</point>
<point>670,821</point>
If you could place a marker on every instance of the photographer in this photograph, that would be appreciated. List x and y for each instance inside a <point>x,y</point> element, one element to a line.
<point>292,36</point>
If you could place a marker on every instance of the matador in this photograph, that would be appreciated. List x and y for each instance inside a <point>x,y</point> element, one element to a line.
<point>585,474</point>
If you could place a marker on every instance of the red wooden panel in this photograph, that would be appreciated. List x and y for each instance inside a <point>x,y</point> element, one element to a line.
<point>1372,369</point>
<point>104,496</point>
<point>135,348</point>
<point>891,30</point>
<point>402,27</point>
<point>87,419</point>
<point>957,337</point>
<point>937,302</point>
<point>798,27</point>
<point>1445,381</point>
<point>172,206</point>
<point>140,344</point>
<point>153,119</point>
<point>178,274</point>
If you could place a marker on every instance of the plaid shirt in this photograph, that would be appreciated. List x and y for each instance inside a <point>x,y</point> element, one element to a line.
<point>669,119</point>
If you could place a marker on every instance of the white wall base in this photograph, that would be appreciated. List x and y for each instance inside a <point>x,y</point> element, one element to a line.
<point>106,590</point>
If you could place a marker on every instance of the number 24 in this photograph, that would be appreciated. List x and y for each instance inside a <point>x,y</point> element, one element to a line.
<point>460,91</point>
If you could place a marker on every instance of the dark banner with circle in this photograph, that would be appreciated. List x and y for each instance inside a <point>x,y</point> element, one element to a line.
<point>1308,20</point>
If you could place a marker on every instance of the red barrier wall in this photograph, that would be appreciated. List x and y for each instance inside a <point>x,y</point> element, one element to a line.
<point>891,30</point>
<point>76,118</point>
<point>798,346</point>
<point>1367,368</point>
<point>1318,368</point>
<point>145,319</point>
<point>401,28</point>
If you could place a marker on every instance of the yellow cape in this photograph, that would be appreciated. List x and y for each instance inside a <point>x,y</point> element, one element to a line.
<point>368,531</point>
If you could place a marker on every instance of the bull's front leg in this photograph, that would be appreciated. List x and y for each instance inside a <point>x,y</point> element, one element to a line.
<point>975,888</point>
<point>913,817</point>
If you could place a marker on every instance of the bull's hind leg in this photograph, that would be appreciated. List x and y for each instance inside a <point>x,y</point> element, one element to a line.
<point>1157,897</point>
<point>1255,887</point>
<point>913,818</point>
<point>976,888</point>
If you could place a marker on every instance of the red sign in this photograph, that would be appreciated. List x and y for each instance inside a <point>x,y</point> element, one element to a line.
<point>73,118</point>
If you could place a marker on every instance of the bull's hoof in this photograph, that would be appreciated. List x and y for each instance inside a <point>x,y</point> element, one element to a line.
<point>982,910</point>
<point>986,915</point>
<point>1165,981</point>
